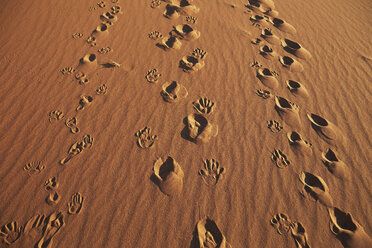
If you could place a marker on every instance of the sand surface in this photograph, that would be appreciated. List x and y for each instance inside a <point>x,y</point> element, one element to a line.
<point>217,159</point>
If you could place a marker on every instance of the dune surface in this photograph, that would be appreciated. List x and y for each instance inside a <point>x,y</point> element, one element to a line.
<point>180,123</point>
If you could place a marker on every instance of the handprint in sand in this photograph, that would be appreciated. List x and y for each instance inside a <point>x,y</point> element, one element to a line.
<point>211,171</point>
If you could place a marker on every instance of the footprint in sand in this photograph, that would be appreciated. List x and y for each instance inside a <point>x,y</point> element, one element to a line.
<point>50,186</point>
<point>170,42</point>
<point>102,90</point>
<point>282,25</point>
<point>199,129</point>
<point>296,49</point>
<point>297,142</point>
<point>172,91</point>
<point>300,236</point>
<point>56,115</point>
<point>288,111</point>
<point>279,159</point>
<point>199,53</point>
<point>10,232</point>
<point>77,148</point>
<point>104,50</point>
<point>171,11</point>
<point>208,234</point>
<point>67,71</point>
<point>152,76</point>
<point>281,222</point>
<point>145,139</point>
<point>194,62</point>
<point>186,7</point>
<point>203,106</point>
<point>267,78</point>
<point>267,52</point>
<point>91,40</point>
<point>211,171</point>
<point>71,123</point>
<point>101,4</point>
<point>268,35</point>
<point>256,41</point>
<point>265,94</point>
<point>77,35</point>
<point>315,188</point>
<point>261,5</point>
<point>186,32</point>
<point>155,35</point>
<point>336,166</point>
<point>191,19</point>
<point>347,230</point>
<point>325,129</point>
<point>274,126</point>
<point>168,175</point>
<point>53,223</point>
<point>88,63</point>
<point>155,3</point>
<point>34,223</point>
<point>291,64</point>
<point>82,78</point>
<point>76,204</point>
<point>84,101</point>
<point>256,64</point>
<point>34,167</point>
<point>297,88</point>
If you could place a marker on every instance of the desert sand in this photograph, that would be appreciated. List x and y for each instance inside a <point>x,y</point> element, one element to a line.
<point>204,123</point>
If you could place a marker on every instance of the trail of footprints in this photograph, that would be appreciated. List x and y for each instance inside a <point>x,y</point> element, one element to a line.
<point>264,17</point>
<point>199,128</point>
<point>49,225</point>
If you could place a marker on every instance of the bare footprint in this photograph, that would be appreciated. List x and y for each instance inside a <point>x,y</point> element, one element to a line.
<point>209,234</point>
<point>168,175</point>
<point>281,222</point>
<point>34,223</point>
<point>56,115</point>
<point>172,91</point>
<point>279,159</point>
<point>77,35</point>
<point>67,71</point>
<point>336,166</point>
<point>211,171</point>
<point>155,3</point>
<point>316,188</point>
<point>155,35</point>
<point>34,168</point>
<point>186,32</point>
<point>203,106</point>
<point>145,139</point>
<point>10,232</point>
<point>191,64</point>
<point>84,101</point>
<point>191,19</point>
<point>300,236</point>
<point>153,76</point>
<point>76,204</point>
<point>71,123</point>
<point>102,90</point>
<point>347,230</point>
<point>104,50</point>
<point>265,94</point>
<point>274,126</point>
<point>54,223</point>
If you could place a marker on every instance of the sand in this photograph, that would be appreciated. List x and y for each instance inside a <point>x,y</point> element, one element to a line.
<point>144,132</point>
